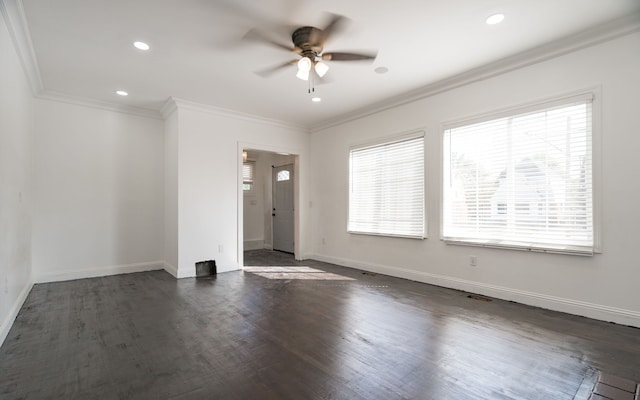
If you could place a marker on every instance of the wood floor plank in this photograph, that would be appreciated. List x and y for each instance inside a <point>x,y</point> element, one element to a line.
<point>239,336</point>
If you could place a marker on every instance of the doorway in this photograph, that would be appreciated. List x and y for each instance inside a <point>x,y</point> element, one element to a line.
<point>262,195</point>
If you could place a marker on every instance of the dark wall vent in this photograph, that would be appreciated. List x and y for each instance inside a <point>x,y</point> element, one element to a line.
<point>206,268</point>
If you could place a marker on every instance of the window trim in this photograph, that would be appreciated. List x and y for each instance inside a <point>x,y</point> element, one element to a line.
<point>594,94</point>
<point>401,137</point>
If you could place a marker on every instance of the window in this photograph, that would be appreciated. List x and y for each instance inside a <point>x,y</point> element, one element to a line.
<point>386,188</point>
<point>283,176</point>
<point>523,179</point>
<point>248,172</point>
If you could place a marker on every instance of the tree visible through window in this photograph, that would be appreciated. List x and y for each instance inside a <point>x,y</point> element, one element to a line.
<point>386,184</point>
<point>522,180</point>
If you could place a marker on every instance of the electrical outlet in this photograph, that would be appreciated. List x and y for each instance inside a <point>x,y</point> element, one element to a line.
<point>220,248</point>
<point>324,241</point>
<point>473,261</point>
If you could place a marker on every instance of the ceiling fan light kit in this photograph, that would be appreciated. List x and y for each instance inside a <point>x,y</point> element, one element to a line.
<point>302,74</point>
<point>308,43</point>
<point>321,68</point>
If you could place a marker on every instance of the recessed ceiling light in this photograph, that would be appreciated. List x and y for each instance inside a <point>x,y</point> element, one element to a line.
<point>141,46</point>
<point>495,19</point>
<point>381,70</point>
<point>316,99</point>
<point>121,93</point>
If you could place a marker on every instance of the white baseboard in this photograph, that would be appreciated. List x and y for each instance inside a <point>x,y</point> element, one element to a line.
<point>179,273</point>
<point>67,275</point>
<point>7,323</point>
<point>576,307</point>
<point>191,272</point>
<point>257,244</point>
<point>171,269</point>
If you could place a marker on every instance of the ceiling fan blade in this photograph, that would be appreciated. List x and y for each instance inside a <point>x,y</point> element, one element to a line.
<point>335,24</point>
<point>265,73</point>
<point>259,36</point>
<point>340,56</point>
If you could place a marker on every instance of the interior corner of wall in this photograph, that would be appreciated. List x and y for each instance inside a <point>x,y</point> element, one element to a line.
<point>171,269</point>
<point>185,272</point>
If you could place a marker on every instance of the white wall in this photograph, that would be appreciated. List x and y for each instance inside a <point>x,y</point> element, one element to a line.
<point>209,194</point>
<point>16,142</point>
<point>604,286</point>
<point>171,192</point>
<point>99,192</point>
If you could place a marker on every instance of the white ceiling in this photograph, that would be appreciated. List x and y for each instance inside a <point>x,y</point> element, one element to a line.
<point>84,48</point>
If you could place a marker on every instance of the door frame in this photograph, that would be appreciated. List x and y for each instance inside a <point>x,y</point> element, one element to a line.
<point>296,196</point>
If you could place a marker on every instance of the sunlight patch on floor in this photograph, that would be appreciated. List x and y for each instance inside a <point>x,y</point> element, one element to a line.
<point>301,273</point>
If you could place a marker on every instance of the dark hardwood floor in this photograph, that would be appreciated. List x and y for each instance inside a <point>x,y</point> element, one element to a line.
<point>240,335</point>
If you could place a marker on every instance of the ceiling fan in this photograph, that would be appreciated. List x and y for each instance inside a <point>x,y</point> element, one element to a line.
<point>308,44</point>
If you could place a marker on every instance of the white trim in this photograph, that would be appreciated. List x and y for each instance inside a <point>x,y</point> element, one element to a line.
<point>172,270</point>
<point>575,307</point>
<point>596,167</point>
<point>71,274</point>
<point>168,108</point>
<point>208,109</point>
<point>188,272</point>
<point>590,37</point>
<point>13,13</point>
<point>390,139</point>
<point>6,325</point>
<point>588,95</point>
<point>98,104</point>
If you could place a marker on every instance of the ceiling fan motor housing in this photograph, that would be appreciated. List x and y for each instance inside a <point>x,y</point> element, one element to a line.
<point>309,40</point>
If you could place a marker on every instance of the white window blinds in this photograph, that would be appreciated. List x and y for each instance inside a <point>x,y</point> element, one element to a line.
<point>387,188</point>
<point>522,180</point>
<point>248,172</point>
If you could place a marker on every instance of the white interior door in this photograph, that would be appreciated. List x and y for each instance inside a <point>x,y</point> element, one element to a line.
<point>283,213</point>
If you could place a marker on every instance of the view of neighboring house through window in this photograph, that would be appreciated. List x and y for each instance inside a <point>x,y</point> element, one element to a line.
<point>386,188</point>
<point>248,172</point>
<point>522,179</point>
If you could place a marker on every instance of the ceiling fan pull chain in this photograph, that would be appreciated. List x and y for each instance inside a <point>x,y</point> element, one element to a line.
<point>312,86</point>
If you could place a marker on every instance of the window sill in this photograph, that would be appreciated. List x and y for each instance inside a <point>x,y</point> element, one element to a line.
<point>587,252</point>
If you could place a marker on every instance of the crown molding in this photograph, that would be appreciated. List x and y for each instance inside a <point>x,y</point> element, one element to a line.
<point>587,38</point>
<point>223,112</point>
<point>101,105</point>
<point>168,108</point>
<point>14,16</point>
<point>13,13</point>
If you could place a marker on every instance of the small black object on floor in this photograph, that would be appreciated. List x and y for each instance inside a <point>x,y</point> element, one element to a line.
<point>205,269</point>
